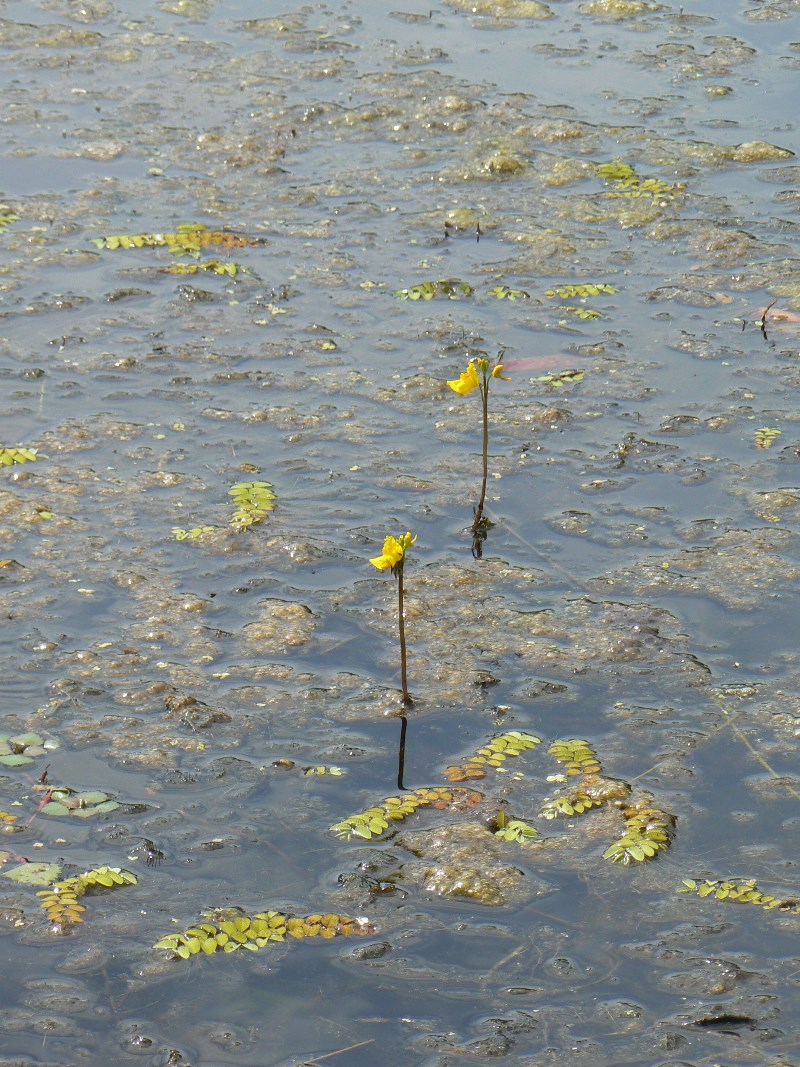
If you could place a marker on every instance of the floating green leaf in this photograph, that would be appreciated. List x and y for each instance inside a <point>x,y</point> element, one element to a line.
<point>743,891</point>
<point>647,832</point>
<point>193,534</point>
<point>626,182</point>
<point>187,240</point>
<point>559,378</point>
<point>253,501</point>
<point>34,873</point>
<point>212,266</point>
<point>62,801</point>
<point>502,292</point>
<point>335,772</point>
<point>516,830</point>
<point>230,930</point>
<point>493,754</point>
<point>577,756</point>
<point>60,901</point>
<point>8,456</point>
<point>374,821</point>
<point>568,292</point>
<point>6,217</point>
<point>451,288</point>
<point>765,436</point>
<point>569,805</point>
<point>19,750</point>
<point>579,312</point>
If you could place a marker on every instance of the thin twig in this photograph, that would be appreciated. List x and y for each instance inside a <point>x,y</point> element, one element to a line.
<point>338,1052</point>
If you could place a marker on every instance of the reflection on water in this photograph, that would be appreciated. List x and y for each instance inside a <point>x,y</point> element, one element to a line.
<point>636,588</point>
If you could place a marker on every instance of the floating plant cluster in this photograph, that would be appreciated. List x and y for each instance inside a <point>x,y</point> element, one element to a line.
<point>645,831</point>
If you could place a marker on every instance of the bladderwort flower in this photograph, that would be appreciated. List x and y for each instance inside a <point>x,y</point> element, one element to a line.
<point>393,558</point>
<point>478,374</point>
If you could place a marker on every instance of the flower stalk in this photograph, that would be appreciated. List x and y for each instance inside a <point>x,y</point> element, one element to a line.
<point>393,558</point>
<point>478,375</point>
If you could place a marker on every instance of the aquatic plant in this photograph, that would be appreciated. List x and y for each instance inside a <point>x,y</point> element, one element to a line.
<point>513,829</point>
<point>569,804</point>
<point>191,535</point>
<point>393,557</point>
<point>559,378</point>
<point>6,217</point>
<point>582,289</point>
<point>187,240</point>
<point>502,292</point>
<point>230,930</point>
<point>624,181</point>
<point>452,288</point>
<point>9,456</point>
<point>478,375</point>
<point>648,831</point>
<point>60,901</point>
<point>211,266</point>
<point>253,501</point>
<point>63,801</point>
<point>376,820</point>
<point>743,891</point>
<point>765,436</point>
<point>576,756</point>
<point>19,750</point>
<point>493,754</point>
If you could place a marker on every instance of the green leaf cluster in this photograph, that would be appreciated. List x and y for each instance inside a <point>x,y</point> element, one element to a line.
<point>211,266</point>
<point>60,901</point>
<point>375,820</point>
<point>18,750</point>
<point>187,240</point>
<point>559,378</point>
<point>567,292</point>
<point>579,312</point>
<point>647,832</point>
<point>451,288</point>
<point>191,535</point>
<point>493,754</point>
<point>6,217</point>
<point>765,436</point>
<point>502,292</point>
<point>253,501</point>
<point>576,756</point>
<point>626,182</point>
<point>230,931</point>
<point>743,892</point>
<point>333,772</point>
<point>568,805</point>
<point>516,830</point>
<point>63,801</point>
<point>9,456</point>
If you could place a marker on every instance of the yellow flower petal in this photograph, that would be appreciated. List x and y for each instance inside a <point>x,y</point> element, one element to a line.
<point>497,372</point>
<point>394,550</point>
<point>467,381</point>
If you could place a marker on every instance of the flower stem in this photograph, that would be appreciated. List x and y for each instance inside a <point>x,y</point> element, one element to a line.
<point>485,403</point>
<point>402,624</point>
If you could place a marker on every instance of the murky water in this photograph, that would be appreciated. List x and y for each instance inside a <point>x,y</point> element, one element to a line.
<point>638,588</point>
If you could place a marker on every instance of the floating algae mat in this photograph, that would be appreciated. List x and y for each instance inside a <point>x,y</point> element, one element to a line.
<point>502,295</point>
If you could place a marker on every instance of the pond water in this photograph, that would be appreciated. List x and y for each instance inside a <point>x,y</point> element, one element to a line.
<point>637,590</point>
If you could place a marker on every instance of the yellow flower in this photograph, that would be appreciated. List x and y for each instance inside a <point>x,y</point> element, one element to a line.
<point>468,380</point>
<point>394,551</point>
<point>497,373</point>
